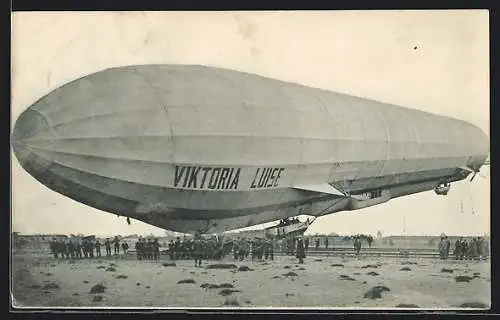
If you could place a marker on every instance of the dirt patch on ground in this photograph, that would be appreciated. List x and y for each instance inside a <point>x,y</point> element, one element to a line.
<point>407,305</point>
<point>186,281</point>
<point>463,278</point>
<point>290,274</point>
<point>172,264</point>
<point>98,288</point>
<point>375,292</point>
<point>221,266</point>
<point>475,305</point>
<point>244,268</point>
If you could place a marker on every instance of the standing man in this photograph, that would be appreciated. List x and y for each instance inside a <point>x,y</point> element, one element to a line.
<point>316,244</point>
<point>326,242</point>
<point>138,249</point>
<point>156,250</point>
<point>125,248</point>
<point>117,245</point>
<point>53,248</point>
<point>98,248</point>
<point>357,245</point>
<point>441,248</point>
<point>197,252</point>
<point>91,249</point>
<point>78,249</point>
<point>306,243</point>
<point>301,254</point>
<point>370,241</point>
<point>107,244</point>
<point>457,249</point>
<point>447,245</point>
<point>85,247</point>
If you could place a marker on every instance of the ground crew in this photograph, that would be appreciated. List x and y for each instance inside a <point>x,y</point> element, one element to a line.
<point>90,249</point>
<point>85,248</point>
<point>301,254</point>
<point>446,248</point>
<point>316,244</point>
<point>156,250</point>
<point>150,249</point>
<point>107,244</point>
<point>98,248</point>
<point>125,247</point>
<point>197,252</point>
<point>441,248</point>
<point>357,245</point>
<point>306,244</point>
<point>117,245</point>
<point>326,242</point>
<point>458,248</point>
<point>78,249</point>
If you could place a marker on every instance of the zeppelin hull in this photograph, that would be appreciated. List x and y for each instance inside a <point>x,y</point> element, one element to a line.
<point>177,145</point>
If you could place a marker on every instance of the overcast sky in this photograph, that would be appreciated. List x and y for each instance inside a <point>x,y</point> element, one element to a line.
<point>437,61</point>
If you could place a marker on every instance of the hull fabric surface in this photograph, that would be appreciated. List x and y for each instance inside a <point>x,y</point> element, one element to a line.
<point>193,147</point>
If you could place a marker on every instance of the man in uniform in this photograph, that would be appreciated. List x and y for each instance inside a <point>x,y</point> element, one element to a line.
<point>125,248</point>
<point>301,254</point>
<point>156,250</point>
<point>78,249</point>
<point>235,249</point>
<point>316,244</point>
<point>71,251</point>
<point>138,249</point>
<point>98,248</point>
<point>90,248</point>
<point>107,244</point>
<point>85,247</point>
<point>441,248</point>
<point>326,242</point>
<point>53,248</point>
<point>457,249</point>
<point>357,245</point>
<point>447,245</point>
<point>197,251</point>
<point>116,242</point>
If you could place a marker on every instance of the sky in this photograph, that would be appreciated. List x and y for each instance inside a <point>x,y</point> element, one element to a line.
<point>436,61</point>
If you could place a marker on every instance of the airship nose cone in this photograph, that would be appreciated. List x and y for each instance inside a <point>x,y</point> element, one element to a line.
<point>30,128</point>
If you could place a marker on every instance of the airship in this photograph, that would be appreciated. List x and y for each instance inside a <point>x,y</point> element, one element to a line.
<point>193,148</point>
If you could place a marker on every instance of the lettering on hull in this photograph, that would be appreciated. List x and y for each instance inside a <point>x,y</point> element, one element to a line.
<point>266,177</point>
<point>224,178</point>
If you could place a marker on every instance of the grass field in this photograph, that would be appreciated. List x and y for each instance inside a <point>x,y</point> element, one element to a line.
<point>322,282</point>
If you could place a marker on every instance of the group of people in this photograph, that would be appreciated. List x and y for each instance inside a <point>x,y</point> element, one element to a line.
<point>76,248</point>
<point>474,249</point>
<point>258,248</point>
<point>147,249</point>
<point>286,222</point>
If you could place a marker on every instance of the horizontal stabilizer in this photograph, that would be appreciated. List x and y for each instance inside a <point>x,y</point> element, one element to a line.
<point>467,169</point>
<point>321,188</point>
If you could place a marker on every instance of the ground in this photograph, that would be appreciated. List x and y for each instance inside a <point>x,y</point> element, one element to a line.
<point>42,281</point>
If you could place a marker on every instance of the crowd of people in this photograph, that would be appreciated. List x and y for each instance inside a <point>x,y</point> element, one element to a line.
<point>147,249</point>
<point>85,248</point>
<point>241,248</point>
<point>474,249</point>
